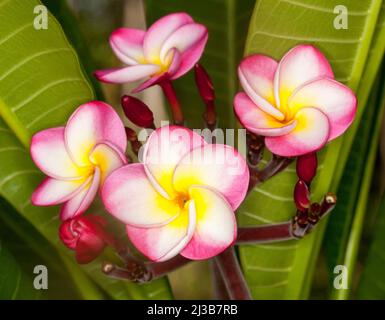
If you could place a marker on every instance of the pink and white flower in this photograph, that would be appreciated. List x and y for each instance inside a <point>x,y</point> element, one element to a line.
<point>296,103</point>
<point>78,157</point>
<point>169,48</point>
<point>182,198</point>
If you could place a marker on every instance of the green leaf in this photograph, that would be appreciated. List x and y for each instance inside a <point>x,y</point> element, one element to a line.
<point>65,16</point>
<point>376,53</point>
<point>372,282</point>
<point>14,282</point>
<point>353,241</point>
<point>31,249</point>
<point>340,221</point>
<point>285,270</point>
<point>41,84</point>
<point>227,22</point>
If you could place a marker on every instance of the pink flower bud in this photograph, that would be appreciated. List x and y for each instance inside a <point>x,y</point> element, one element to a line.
<point>85,235</point>
<point>137,112</point>
<point>301,196</point>
<point>307,167</point>
<point>204,84</point>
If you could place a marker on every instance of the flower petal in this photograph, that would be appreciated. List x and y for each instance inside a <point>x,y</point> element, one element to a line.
<point>92,123</point>
<point>310,134</point>
<point>52,191</point>
<point>127,44</point>
<point>258,121</point>
<point>218,166</point>
<point>49,153</point>
<point>334,99</point>
<point>216,227</point>
<point>163,150</point>
<point>301,64</point>
<point>163,243</point>
<point>127,74</point>
<point>256,74</point>
<point>173,60</point>
<point>160,30</point>
<point>190,57</point>
<point>130,197</point>
<point>82,200</point>
<point>155,79</point>
<point>190,41</point>
<point>107,158</point>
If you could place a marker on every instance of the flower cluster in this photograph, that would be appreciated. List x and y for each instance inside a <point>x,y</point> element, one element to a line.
<point>181,198</point>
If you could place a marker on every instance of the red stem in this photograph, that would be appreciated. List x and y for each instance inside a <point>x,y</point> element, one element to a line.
<point>160,269</point>
<point>268,233</point>
<point>232,275</point>
<point>169,92</point>
<point>220,291</point>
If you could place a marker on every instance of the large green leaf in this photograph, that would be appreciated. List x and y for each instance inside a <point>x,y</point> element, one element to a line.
<point>285,270</point>
<point>227,22</point>
<point>41,83</point>
<point>372,282</point>
<point>14,282</point>
<point>339,224</point>
<point>362,208</point>
<point>70,25</point>
<point>30,249</point>
<point>376,53</point>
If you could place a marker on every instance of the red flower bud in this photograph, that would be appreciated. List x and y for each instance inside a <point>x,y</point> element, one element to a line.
<point>137,112</point>
<point>307,167</point>
<point>204,84</point>
<point>85,235</point>
<point>301,196</point>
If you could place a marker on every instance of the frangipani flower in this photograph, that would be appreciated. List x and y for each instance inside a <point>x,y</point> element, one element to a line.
<point>78,157</point>
<point>295,103</point>
<point>169,48</point>
<point>182,198</point>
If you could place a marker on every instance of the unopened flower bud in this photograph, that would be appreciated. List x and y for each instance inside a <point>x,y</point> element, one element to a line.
<point>137,112</point>
<point>85,235</point>
<point>204,84</point>
<point>307,167</point>
<point>301,196</point>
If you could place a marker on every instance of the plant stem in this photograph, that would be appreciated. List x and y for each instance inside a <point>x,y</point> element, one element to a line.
<point>275,165</point>
<point>220,291</point>
<point>232,275</point>
<point>268,233</point>
<point>255,147</point>
<point>170,94</point>
<point>142,272</point>
<point>132,138</point>
<point>160,269</point>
